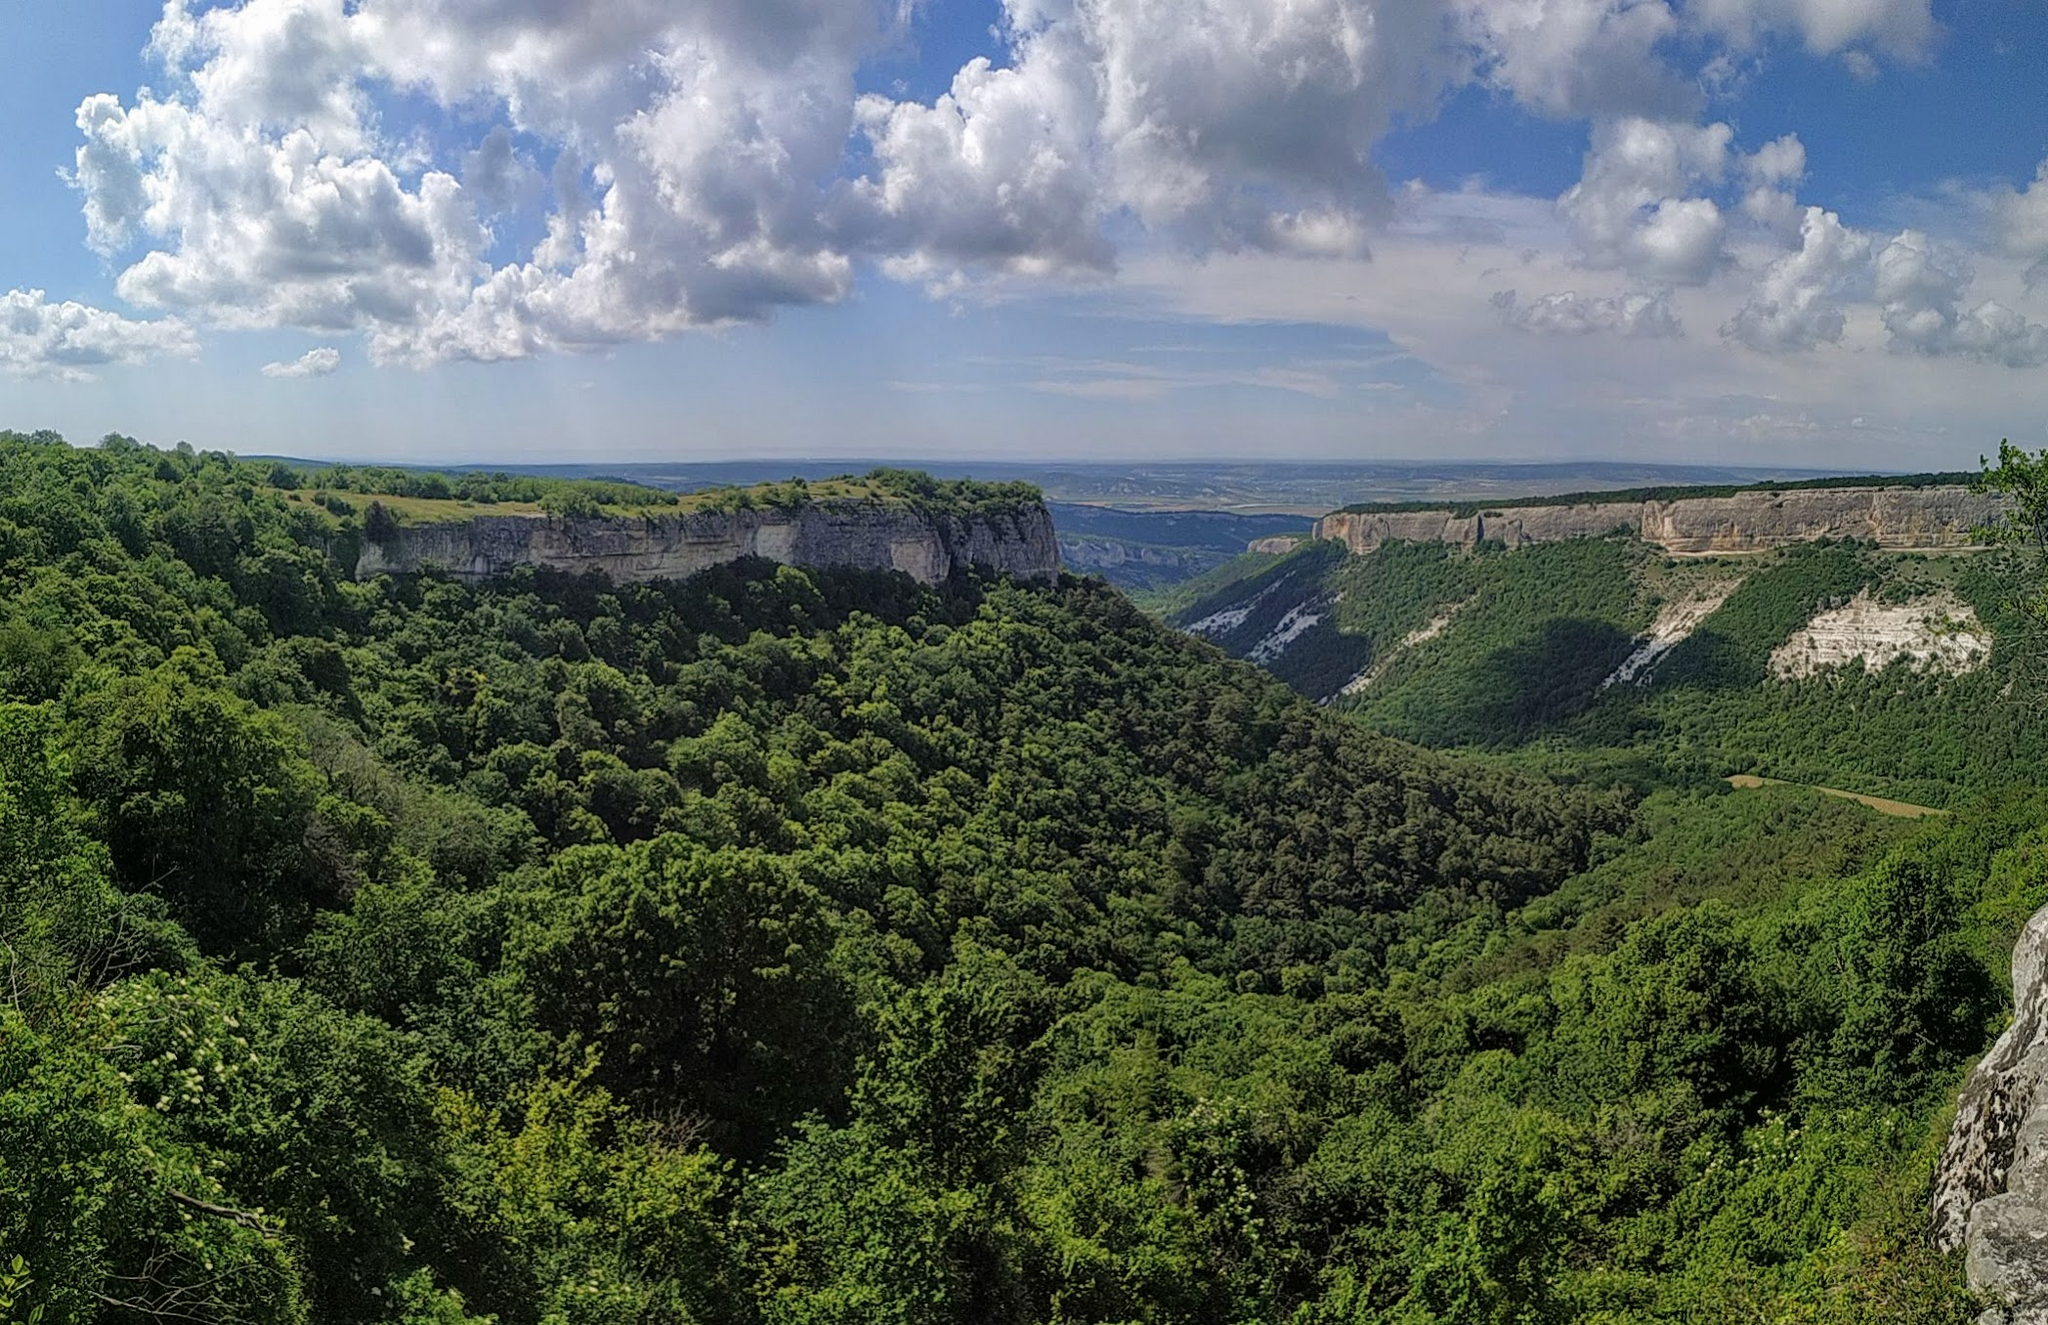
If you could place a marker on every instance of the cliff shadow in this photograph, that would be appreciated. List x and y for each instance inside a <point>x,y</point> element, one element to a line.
<point>1538,684</point>
<point>1711,659</point>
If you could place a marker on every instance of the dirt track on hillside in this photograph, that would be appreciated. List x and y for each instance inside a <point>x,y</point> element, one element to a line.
<point>1897,809</point>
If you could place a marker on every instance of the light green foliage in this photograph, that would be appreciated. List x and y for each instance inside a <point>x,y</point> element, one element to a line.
<point>14,1286</point>
<point>2023,478</point>
<point>787,946</point>
<point>571,1210</point>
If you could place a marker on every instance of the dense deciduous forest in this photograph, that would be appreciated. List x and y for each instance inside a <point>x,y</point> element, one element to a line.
<point>800,946</point>
<point>1521,645</point>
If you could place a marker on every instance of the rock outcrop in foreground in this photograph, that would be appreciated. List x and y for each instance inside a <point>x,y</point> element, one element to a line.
<point>1904,518</point>
<point>854,535</point>
<point>1991,1189</point>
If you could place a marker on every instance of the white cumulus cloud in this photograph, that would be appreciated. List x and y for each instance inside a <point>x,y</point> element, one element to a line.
<point>1637,314</point>
<point>317,362</point>
<point>1921,289</point>
<point>2020,217</point>
<point>1571,58</point>
<point>1900,29</point>
<point>1799,302</point>
<point>68,340</point>
<point>689,145</point>
<point>1636,208</point>
<point>629,170</point>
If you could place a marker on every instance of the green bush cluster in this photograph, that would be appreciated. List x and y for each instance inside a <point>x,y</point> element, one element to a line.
<point>479,487</point>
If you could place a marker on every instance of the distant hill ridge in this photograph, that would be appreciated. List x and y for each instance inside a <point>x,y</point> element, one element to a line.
<point>1929,511</point>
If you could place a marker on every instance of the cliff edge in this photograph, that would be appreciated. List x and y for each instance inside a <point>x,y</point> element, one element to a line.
<point>1991,1187</point>
<point>1946,516</point>
<point>930,545</point>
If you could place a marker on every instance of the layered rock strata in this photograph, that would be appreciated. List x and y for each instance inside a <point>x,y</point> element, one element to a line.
<point>1991,1188</point>
<point>1939,633</point>
<point>855,535</point>
<point>1904,518</point>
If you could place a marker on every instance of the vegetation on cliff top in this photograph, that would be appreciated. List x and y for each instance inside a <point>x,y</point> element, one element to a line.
<point>1465,510</point>
<point>427,497</point>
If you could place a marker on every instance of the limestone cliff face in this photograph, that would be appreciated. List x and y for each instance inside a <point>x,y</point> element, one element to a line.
<point>1938,517</point>
<point>1991,1188</point>
<point>855,535</point>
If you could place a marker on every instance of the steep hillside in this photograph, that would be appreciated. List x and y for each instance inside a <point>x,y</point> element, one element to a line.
<point>1912,512</point>
<point>1832,663</point>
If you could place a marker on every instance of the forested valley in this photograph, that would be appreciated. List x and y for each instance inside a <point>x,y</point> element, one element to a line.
<point>1521,656</point>
<point>803,946</point>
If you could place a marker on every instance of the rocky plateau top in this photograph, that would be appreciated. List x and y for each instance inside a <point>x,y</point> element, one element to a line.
<point>1947,516</point>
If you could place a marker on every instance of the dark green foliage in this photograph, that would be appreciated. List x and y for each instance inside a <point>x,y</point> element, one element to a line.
<point>1527,636</point>
<point>205,800</point>
<point>483,489</point>
<point>787,946</point>
<point>1512,651</point>
<point>702,978</point>
<point>379,524</point>
<point>2023,479</point>
<point>1915,1000</point>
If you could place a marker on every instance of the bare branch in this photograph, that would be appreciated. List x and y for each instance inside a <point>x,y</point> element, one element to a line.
<point>241,1217</point>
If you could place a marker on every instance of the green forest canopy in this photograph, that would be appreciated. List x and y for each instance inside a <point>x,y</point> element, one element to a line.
<point>414,495</point>
<point>799,946</point>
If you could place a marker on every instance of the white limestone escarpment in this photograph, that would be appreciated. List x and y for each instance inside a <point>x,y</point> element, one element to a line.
<point>1991,1187</point>
<point>1937,633</point>
<point>857,535</point>
<point>1947,516</point>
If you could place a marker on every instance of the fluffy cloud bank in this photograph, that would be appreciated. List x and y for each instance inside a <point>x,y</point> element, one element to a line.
<point>68,340</point>
<point>1572,314</point>
<point>586,174</point>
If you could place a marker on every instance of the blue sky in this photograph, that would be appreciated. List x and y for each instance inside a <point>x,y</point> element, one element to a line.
<point>1732,231</point>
